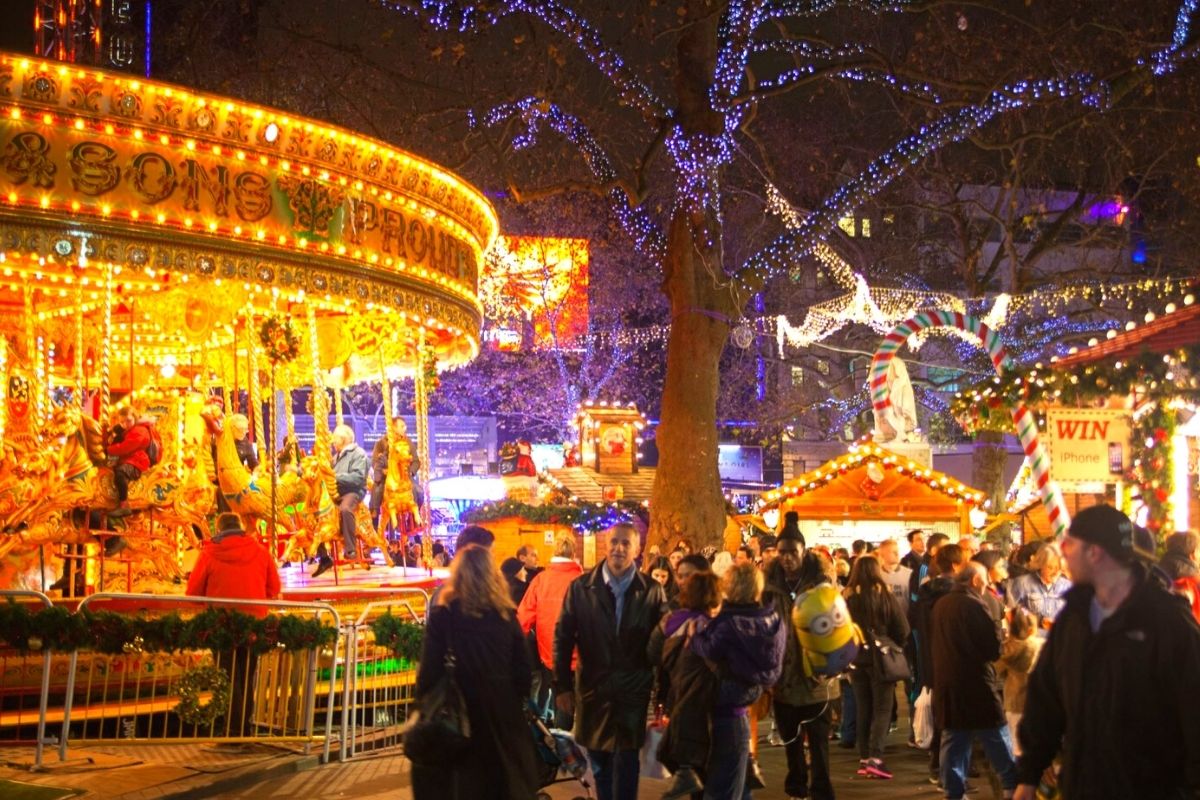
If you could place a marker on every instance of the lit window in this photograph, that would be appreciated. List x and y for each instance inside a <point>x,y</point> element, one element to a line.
<point>797,376</point>
<point>847,225</point>
<point>866,227</point>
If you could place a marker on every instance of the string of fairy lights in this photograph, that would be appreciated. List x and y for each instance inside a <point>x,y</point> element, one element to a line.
<point>698,157</point>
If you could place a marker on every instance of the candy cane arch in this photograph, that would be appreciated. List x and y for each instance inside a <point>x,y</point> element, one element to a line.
<point>1023,419</point>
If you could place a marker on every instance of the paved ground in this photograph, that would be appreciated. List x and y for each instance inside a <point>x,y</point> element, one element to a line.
<point>279,772</point>
<point>387,778</point>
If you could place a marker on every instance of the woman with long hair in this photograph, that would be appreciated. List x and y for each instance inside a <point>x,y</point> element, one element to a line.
<point>875,609</point>
<point>476,619</point>
<point>660,570</point>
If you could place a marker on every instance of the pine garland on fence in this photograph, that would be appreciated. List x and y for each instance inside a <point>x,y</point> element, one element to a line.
<point>30,628</point>
<point>403,638</point>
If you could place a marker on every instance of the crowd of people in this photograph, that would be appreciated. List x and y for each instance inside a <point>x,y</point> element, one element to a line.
<point>1075,666</point>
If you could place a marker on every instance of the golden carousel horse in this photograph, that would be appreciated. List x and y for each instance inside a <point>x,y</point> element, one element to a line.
<point>245,497</point>
<point>399,509</point>
<point>24,476</point>
<point>85,481</point>
<point>320,521</point>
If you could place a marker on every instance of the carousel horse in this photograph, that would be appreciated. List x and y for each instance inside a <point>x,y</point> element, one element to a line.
<point>399,509</point>
<point>85,482</point>
<point>244,496</point>
<point>24,476</point>
<point>320,522</point>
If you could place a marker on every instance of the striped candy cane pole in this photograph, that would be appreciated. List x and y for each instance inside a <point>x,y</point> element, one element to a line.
<point>1023,419</point>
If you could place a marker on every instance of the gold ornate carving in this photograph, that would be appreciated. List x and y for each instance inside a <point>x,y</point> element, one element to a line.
<point>28,156</point>
<point>40,86</point>
<point>313,203</point>
<point>86,93</point>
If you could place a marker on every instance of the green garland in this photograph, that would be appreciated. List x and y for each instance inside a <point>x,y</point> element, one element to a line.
<point>584,517</point>
<point>403,638</point>
<point>1151,446</point>
<point>30,628</point>
<point>208,678</point>
<point>279,340</point>
<point>988,405</point>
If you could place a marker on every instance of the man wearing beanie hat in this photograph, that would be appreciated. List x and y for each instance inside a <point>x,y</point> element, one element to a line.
<point>1117,684</point>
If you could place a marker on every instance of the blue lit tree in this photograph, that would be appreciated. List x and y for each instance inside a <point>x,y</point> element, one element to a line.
<point>697,107</point>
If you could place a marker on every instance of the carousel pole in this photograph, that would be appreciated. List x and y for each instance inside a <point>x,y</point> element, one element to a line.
<point>270,453</point>
<point>254,390</point>
<point>106,350</point>
<point>32,352</point>
<point>421,403</point>
<point>79,379</point>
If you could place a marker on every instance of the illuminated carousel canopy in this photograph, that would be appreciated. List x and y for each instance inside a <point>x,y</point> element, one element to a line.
<point>199,210</point>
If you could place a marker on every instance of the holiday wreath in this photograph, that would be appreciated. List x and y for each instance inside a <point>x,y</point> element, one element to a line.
<point>279,340</point>
<point>192,684</point>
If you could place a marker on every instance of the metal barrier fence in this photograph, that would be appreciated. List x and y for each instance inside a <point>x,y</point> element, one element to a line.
<point>22,713</point>
<point>277,696</point>
<point>355,692</point>
<point>379,685</point>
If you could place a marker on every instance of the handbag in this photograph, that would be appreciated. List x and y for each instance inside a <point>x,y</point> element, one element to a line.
<point>440,729</point>
<point>887,659</point>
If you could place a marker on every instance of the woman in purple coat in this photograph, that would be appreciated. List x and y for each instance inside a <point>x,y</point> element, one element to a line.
<point>746,641</point>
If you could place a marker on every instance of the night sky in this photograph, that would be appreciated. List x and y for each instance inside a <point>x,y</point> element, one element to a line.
<point>16,26</point>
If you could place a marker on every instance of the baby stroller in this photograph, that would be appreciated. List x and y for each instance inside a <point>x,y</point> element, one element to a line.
<point>560,759</point>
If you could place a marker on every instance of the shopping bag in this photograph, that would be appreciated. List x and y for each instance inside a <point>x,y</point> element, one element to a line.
<point>651,766</point>
<point>923,719</point>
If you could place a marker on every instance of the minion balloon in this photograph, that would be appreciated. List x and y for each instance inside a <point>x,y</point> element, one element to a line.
<point>828,637</point>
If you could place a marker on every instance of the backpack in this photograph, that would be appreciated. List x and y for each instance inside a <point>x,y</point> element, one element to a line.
<point>154,449</point>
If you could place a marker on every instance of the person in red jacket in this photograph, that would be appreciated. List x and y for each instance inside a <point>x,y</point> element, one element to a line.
<point>130,446</point>
<point>539,610</point>
<point>234,565</point>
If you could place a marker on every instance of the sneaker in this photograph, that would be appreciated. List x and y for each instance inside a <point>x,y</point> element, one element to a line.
<point>773,738</point>
<point>754,776</point>
<point>684,782</point>
<point>876,769</point>
<point>862,767</point>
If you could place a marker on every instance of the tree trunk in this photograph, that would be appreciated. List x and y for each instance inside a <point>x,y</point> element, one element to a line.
<point>686,502</point>
<point>987,475</point>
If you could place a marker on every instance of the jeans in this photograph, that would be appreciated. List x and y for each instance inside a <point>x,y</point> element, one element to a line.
<point>956,757</point>
<point>794,724</point>
<point>616,773</point>
<point>873,699</point>
<point>725,775</point>
<point>123,475</point>
<point>848,729</point>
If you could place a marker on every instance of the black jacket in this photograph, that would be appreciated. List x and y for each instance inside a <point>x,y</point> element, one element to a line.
<point>687,687</point>
<point>612,686</point>
<point>967,694</point>
<point>493,673</point>
<point>921,619</point>
<point>1122,703</point>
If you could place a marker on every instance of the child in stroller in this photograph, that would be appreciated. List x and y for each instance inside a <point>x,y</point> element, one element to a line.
<point>559,754</point>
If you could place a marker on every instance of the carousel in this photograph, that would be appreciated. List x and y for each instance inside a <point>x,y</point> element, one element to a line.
<point>195,258</point>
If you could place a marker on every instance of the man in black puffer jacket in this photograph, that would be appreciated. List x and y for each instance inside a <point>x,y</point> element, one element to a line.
<point>1117,684</point>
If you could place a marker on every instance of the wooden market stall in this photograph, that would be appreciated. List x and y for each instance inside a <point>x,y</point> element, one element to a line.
<point>872,493</point>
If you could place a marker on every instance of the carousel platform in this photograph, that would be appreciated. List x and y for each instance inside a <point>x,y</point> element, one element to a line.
<point>381,581</point>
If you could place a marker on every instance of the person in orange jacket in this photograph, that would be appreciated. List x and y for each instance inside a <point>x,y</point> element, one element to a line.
<point>539,611</point>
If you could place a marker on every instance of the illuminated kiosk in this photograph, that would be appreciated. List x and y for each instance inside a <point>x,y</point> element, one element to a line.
<point>162,241</point>
<point>873,494</point>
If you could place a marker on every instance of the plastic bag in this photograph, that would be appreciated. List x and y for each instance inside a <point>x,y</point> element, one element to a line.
<point>923,719</point>
<point>651,766</point>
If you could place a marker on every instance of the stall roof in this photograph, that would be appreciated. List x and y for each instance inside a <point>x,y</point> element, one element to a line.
<point>588,485</point>
<point>1161,335</point>
<point>848,480</point>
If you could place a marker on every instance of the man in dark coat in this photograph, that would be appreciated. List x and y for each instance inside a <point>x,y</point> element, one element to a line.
<point>967,695</point>
<point>1117,684</point>
<point>947,561</point>
<point>609,614</point>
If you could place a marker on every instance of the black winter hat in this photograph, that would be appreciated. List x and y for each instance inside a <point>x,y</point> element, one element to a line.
<point>1107,527</point>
